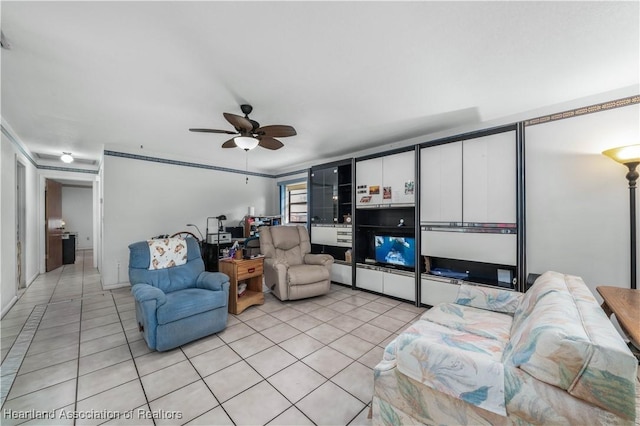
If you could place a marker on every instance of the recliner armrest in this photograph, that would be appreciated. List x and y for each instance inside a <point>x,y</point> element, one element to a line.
<point>318,259</point>
<point>143,292</point>
<point>213,281</point>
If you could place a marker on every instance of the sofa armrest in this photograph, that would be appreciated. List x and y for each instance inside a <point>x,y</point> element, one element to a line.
<point>490,299</point>
<point>318,259</point>
<point>145,292</point>
<point>213,281</point>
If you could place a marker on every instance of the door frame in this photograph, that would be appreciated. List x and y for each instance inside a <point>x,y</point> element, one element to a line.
<point>21,224</point>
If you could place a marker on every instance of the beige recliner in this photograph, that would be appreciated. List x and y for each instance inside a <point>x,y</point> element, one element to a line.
<point>290,270</point>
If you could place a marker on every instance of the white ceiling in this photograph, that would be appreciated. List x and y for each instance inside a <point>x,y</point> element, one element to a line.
<point>134,76</point>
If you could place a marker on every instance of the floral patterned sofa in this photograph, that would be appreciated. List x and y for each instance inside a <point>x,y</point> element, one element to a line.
<point>549,356</point>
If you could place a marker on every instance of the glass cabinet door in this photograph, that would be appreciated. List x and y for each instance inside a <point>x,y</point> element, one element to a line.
<point>324,188</point>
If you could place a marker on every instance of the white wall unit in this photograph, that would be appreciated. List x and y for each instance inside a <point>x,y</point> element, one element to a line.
<point>479,247</point>
<point>392,284</point>
<point>489,178</point>
<point>434,291</point>
<point>344,236</point>
<point>341,273</point>
<point>368,175</point>
<point>402,286</point>
<point>441,183</point>
<point>395,172</point>
<point>369,279</point>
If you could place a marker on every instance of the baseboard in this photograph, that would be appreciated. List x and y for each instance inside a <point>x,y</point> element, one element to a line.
<point>7,308</point>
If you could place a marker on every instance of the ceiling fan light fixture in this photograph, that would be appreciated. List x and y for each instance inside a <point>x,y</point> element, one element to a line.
<point>245,142</point>
<point>66,157</point>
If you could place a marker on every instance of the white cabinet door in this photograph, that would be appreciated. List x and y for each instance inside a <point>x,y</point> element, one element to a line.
<point>341,273</point>
<point>398,176</point>
<point>477,247</point>
<point>433,292</point>
<point>441,183</point>
<point>401,286</point>
<point>325,235</point>
<point>489,178</point>
<point>369,279</point>
<point>369,182</point>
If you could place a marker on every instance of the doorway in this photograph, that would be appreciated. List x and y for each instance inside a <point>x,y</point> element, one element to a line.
<point>21,219</point>
<point>53,224</point>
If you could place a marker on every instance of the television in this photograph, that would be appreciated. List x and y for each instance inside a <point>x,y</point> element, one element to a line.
<point>394,250</point>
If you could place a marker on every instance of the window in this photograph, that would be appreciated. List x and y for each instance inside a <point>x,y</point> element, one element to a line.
<point>295,203</point>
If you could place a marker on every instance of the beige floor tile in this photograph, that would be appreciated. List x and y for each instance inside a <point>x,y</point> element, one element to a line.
<point>325,333</point>
<point>106,378</point>
<point>377,307</point>
<point>98,345</point>
<point>217,416</point>
<point>362,314</point>
<point>214,360</point>
<point>99,321</point>
<point>371,334</point>
<point>47,359</point>
<point>327,361</point>
<point>344,407</point>
<point>400,314</point>
<point>280,332</point>
<point>356,300</point>
<point>139,348</point>
<point>291,417</point>
<point>168,379</point>
<point>103,359</point>
<point>61,417</point>
<point>235,332</point>
<point>250,345</point>
<point>304,322</point>
<point>387,323</point>
<point>250,313</point>
<point>229,382</point>
<point>301,345</point>
<point>43,378</point>
<point>189,402</point>
<point>305,305</point>
<point>373,357</point>
<point>263,322</point>
<point>345,322</point>
<point>352,346</point>
<point>324,314</point>
<point>270,361</point>
<point>244,410</point>
<point>362,419</point>
<point>139,416</point>
<point>100,332</point>
<point>286,314</point>
<point>154,361</point>
<point>357,380</point>
<point>59,330</point>
<point>51,398</point>
<point>121,399</point>
<point>296,381</point>
<point>96,313</point>
<point>202,345</point>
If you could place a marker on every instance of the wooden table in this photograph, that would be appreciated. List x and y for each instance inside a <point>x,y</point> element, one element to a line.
<point>625,303</point>
<point>249,271</point>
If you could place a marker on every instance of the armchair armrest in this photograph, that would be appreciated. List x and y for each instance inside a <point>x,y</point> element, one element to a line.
<point>491,299</point>
<point>318,259</point>
<point>212,281</point>
<point>144,292</point>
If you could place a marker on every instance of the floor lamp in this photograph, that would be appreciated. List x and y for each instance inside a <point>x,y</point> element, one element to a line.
<point>630,157</point>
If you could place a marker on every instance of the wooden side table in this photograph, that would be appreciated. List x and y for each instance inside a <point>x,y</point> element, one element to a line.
<point>249,271</point>
<point>625,303</point>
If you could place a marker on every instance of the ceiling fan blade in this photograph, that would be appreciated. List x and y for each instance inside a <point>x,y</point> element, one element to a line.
<point>213,131</point>
<point>242,124</point>
<point>231,143</point>
<point>276,131</point>
<point>270,143</point>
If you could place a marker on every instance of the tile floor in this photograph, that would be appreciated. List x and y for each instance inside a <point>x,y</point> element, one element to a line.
<point>288,363</point>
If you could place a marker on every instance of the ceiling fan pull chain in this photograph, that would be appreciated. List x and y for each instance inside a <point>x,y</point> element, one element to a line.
<point>246,166</point>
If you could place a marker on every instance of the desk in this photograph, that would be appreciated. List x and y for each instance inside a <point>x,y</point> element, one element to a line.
<point>250,271</point>
<point>625,303</point>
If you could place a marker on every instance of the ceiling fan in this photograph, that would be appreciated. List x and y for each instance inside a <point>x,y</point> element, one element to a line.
<point>249,132</point>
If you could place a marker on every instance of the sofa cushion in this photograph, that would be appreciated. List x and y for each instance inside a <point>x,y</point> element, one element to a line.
<point>307,274</point>
<point>460,364</point>
<point>184,303</point>
<point>561,336</point>
<point>492,299</point>
<point>492,325</point>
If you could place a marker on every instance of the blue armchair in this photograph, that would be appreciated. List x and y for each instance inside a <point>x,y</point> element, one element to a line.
<point>176,304</point>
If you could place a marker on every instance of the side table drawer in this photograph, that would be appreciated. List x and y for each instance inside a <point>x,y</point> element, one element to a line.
<point>248,270</point>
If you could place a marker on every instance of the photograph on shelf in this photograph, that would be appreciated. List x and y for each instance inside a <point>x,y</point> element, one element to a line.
<point>374,189</point>
<point>365,199</point>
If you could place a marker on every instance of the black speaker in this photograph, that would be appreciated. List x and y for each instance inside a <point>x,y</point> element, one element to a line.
<point>210,257</point>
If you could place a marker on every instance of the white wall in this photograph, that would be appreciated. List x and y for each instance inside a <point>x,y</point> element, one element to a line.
<point>143,199</point>
<point>578,199</point>
<point>77,212</point>
<point>10,154</point>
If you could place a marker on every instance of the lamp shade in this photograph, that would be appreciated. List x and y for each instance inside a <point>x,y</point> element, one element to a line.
<point>246,142</point>
<point>66,157</point>
<point>624,154</point>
